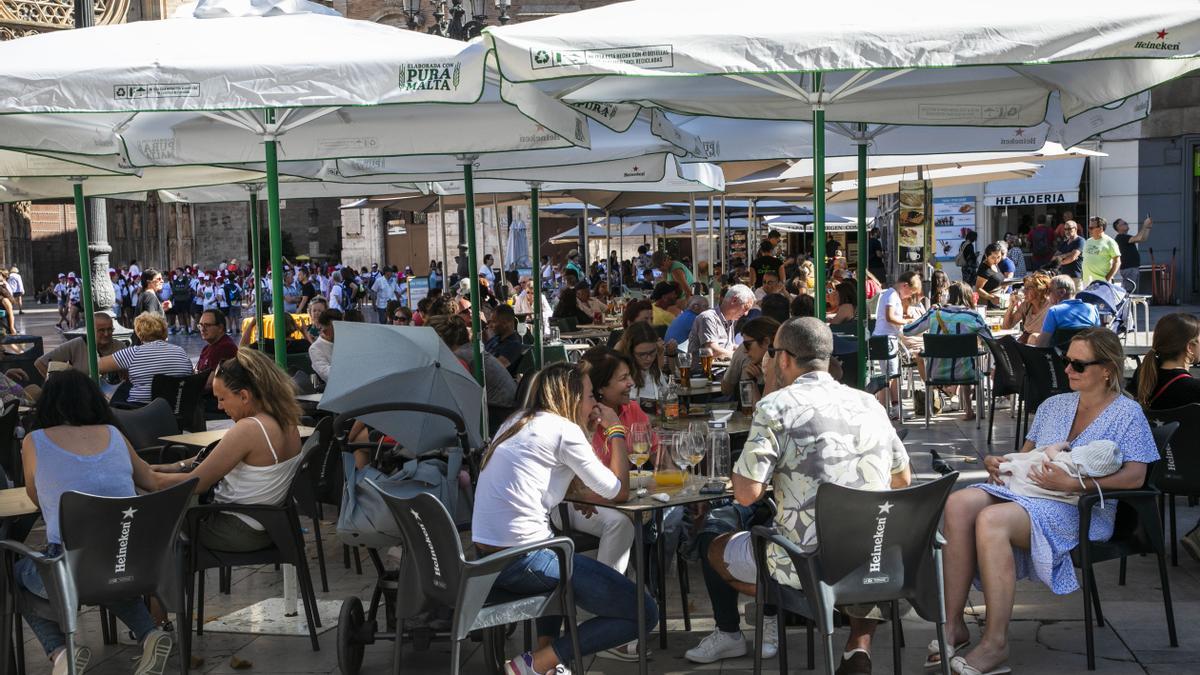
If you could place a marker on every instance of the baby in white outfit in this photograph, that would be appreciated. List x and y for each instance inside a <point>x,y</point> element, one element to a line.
<point>1091,460</point>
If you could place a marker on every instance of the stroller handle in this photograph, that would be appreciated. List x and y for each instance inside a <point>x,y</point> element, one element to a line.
<point>340,422</point>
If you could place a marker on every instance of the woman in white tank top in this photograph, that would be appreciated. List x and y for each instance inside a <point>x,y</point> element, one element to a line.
<point>255,461</point>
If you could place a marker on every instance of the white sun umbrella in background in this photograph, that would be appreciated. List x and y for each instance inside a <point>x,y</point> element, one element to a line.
<point>150,100</point>
<point>930,63</point>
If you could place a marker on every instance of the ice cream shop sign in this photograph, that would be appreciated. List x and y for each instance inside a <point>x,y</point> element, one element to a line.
<point>1033,199</point>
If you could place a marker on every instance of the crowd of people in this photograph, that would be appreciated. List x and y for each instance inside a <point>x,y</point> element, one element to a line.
<point>569,435</point>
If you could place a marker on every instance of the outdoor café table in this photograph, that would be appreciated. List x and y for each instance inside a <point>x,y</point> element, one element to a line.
<point>202,439</point>
<point>736,423</point>
<point>592,335</point>
<point>638,509</point>
<point>308,398</point>
<point>16,502</point>
<point>695,391</point>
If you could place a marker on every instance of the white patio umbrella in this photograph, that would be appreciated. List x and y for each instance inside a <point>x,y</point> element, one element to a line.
<point>152,101</point>
<point>932,63</point>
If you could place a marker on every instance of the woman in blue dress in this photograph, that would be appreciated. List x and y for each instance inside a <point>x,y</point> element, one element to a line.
<point>996,537</point>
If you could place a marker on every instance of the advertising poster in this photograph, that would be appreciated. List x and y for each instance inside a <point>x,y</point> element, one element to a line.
<point>737,245</point>
<point>914,224</point>
<point>953,218</point>
<point>418,288</point>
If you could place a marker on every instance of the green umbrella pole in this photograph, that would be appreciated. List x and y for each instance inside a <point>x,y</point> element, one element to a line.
<point>818,122</point>
<point>535,229</point>
<point>85,278</point>
<point>277,309</point>
<point>256,256</point>
<point>472,268</point>
<point>861,299</point>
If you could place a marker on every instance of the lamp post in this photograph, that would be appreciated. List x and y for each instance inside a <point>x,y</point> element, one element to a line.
<point>451,21</point>
<point>412,10</point>
<point>502,7</point>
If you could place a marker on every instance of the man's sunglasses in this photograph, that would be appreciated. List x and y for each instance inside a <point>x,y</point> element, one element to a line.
<point>772,350</point>
<point>1080,366</point>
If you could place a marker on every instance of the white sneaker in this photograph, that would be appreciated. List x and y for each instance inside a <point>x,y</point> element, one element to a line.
<point>770,642</point>
<point>82,656</point>
<point>156,649</point>
<point>717,645</point>
<point>770,646</point>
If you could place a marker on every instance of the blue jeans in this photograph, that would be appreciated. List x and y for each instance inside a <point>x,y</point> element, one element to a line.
<point>132,611</point>
<point>725,520</point>
<point>598,589</point>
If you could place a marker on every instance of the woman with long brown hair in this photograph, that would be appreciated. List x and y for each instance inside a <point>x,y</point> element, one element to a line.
<point>526,471</point>
<point>646,351</point>
<point>1164,380</point>
<point>255,460</point>
<point>1030,312</point>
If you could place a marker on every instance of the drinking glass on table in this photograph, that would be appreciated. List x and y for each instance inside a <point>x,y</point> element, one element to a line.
<point>664,474</point>
<point>697,444</point>
<point>639,444</point>
<point>684,361</point>
<point>706,361</point>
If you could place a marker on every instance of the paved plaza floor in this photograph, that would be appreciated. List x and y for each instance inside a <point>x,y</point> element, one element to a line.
<point>1047,634</point>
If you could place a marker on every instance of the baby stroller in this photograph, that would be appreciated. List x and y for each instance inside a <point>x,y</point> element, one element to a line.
<point>1112,302</point>
<point>365,521</point>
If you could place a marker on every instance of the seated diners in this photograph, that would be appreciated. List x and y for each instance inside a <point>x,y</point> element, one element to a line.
<point>847,295</point>
<point>647,354</point>
<point>1030,312</point>
<point>74,352</point>
<point>76,448</point>
<point>320,352</point>
<point>255,461</point>
<point>713,328</point>
<point>218,345</point>
<point>746,364</point>
<point>526,472</point>
<point>1065,311</point>
<point>996,536</point>
<point>665,299</point>
<point>957,317</point>
<point>789,447</point>
<point>155,356</point>
<point>500,386</point>
<point>568,308</point>
<point>1164,380</point>
<point>682,324</point>
<point>504,344</point>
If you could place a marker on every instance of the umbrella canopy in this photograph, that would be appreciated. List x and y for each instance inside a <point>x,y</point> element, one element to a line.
<point>890,63</point>
<point>402,364</point>
<point>593,232</point>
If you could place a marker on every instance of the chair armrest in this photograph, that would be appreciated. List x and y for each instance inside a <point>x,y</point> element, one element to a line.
<point>39,558</point>
<point>562,547</point>
<point>1088,501</point>
<point>774,537</point>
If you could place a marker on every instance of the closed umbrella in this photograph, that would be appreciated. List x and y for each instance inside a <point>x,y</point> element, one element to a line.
<point>376,363</point>
<point>517,248</point>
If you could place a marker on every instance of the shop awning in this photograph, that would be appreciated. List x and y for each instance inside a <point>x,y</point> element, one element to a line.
<point>1056,183</point>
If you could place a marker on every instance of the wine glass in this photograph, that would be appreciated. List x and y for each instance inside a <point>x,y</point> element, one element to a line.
<point>697,444</point>
<point>639,444</point>
<point>683,454</point>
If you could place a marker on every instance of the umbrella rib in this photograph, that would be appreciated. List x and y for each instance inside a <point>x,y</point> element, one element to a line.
<point>236,118</point>
<point>852,91</point>
<point>287,124</point>
<point>787,93</point>
<point>850,82</point>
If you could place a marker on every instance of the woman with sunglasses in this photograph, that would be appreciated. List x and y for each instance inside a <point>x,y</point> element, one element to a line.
<point>402,316</point>
<point>998,536</point>
<point>746,362</point>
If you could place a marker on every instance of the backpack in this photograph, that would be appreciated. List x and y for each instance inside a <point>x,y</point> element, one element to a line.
<point>961,258</point>
<point>233,294</point>
<point>364,518</point>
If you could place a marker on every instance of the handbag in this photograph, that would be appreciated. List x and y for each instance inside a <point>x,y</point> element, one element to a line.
<point>364,518</point>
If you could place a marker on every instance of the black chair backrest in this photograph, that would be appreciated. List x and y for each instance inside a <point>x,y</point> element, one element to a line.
<point>123,547</point>
<point>876,546</point>
<point>615,336</point>
<point>660,331</point>
<point>565,324</point>
<point>879,348</point>
<point>1044,375</point>
<point>950,346</point>
<point>323,468</point>
<point>1010,369</point>
<point>1178,469</point>
<point>431,545</point>
<point>184,394</point>
<point>304,383</point>
<point>1062,337</point>
<point>10,450</point>
<point>144,426</point>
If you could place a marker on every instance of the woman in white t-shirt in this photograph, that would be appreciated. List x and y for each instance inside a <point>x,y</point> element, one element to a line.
<point>526,472</point>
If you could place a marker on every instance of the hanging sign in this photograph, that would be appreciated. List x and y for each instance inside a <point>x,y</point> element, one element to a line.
<point>914,222</point>
<point>1033,199</point>
<point>953,218</point>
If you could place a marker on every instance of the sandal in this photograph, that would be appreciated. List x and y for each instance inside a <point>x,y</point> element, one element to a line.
<point>933,660</point>
<point>960,666</point>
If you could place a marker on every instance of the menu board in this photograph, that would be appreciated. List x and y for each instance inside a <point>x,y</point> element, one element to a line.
<point>418,288</point>
<point>953,218</point>
<point>913,223</point>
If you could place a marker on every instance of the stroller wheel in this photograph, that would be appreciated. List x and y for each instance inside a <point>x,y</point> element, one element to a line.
<point>493,649</point>
<point>350,645</point>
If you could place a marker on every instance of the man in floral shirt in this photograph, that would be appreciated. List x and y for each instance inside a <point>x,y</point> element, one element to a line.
<point>809,430</point>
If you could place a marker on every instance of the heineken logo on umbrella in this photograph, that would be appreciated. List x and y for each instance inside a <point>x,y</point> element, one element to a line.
<point>1019,138</point>
<point>1159,42</point>
<point>430,76</point>
<point>636,172</point>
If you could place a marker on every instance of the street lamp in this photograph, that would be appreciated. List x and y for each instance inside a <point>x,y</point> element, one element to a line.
<point>412,10</point>
<point>450,21</point>
<point>502,6</point>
